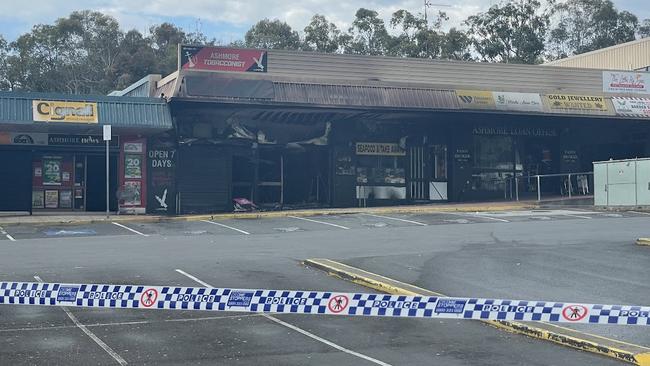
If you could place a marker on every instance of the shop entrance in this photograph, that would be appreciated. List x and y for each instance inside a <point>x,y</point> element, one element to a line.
<point>96,183</point>
<point>427,177</point>
<point>15,180</point>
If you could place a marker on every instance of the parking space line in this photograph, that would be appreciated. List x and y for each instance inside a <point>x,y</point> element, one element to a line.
<point>478,216</point>
<point>129,229</point>
<point>397,219</point>
<point>3,232</point>
<point>136,322</point>
<point>90,334</point>
<point>299,330</point>
<point>320,222</point>
<point>226,226</point>
<point>578,216</point>
<point>639,212</point>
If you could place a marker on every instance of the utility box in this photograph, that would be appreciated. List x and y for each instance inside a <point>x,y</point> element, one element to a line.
<point>622,182</point>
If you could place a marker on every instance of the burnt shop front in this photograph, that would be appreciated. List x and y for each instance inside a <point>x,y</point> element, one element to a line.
<point>54,157</point>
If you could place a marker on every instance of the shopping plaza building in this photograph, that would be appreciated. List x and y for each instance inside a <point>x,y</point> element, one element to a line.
<point>295,129</point>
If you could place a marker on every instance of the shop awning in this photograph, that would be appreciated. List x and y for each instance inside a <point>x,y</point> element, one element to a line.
<point>51,111</point>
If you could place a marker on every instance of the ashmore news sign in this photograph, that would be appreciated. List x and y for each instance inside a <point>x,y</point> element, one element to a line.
<point>222,59</point>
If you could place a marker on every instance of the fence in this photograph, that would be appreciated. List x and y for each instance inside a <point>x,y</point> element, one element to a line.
<point>549,185</point>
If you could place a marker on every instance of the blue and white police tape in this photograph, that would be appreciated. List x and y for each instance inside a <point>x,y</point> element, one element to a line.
<point>315,302</point>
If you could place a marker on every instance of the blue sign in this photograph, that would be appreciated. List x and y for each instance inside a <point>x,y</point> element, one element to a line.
<point>450,306</point>
<point>67,293</point>
<point>240,298</point>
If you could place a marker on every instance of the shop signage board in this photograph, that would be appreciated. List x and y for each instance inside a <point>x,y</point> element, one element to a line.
<point>626,82</point>
<point>58,111</point>
<point>80,140</point>
<point>522,102</point>
<point>475,99</point>
<point>632,107</point>
<point>576,103</point>
<point>161,165</point>
<point>222,59</point>
<point>23,138</point>
<point>378,148</point>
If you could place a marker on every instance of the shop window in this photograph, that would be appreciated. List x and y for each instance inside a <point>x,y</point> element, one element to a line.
<point>439,157</point>
<point>379,170</point>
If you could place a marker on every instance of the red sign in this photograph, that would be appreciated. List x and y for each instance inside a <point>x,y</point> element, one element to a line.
<point>338,303</point>
<point>574,313</point>
<point>148,297</point>
<point>222,59</point>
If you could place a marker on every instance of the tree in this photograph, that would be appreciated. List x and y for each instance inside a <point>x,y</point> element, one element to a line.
<point>644,29</point>
<point>368,35</point>
<point>587,25</point>
<point>456,45</point>
<point>272,34</point>
<point>511,32</point>
<point>416,38</point>
<point>323,36</point>
<point>4,50</point>
<point>165,39</point>
<point>135,60</point>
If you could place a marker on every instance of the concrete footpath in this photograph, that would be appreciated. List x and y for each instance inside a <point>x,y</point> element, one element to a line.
<point>77,218</point>
<point>622,351</point>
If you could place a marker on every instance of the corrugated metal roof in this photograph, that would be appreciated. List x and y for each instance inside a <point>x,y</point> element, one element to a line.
<point>127,112</point>
<point>634,55</point>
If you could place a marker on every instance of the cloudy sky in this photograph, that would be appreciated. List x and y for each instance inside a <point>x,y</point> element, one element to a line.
<point>228,20</point>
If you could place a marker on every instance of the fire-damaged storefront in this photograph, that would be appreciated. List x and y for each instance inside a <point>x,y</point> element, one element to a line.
<point>53,155</point>
<point>285,129</point>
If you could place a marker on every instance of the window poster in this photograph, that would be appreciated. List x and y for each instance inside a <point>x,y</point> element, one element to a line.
<point>65,199</point>
<point>38,199</point>
<point>132,166</point>
<point>132,193</point>
<point>51,199</point>
<point>51,171</point>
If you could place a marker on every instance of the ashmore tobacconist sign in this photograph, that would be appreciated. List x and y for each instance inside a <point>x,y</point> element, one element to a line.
<point>222,59</point>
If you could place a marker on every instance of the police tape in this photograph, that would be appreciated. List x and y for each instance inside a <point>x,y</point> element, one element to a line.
<point>314,302</point>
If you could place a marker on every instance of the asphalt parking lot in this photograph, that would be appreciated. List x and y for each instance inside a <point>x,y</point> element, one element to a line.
<point>557,255</point>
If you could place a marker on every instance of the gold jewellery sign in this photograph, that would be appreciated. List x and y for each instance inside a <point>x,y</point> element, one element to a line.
<point>58,111</point>
<point>576,103</point>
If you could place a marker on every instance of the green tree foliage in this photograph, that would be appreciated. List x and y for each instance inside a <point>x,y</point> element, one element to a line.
<point>324,36</point>
<point>368,34</point>
<point>272,34</point>
<point>644,29</point>
<point>587,25</point>
<point>510,32</point>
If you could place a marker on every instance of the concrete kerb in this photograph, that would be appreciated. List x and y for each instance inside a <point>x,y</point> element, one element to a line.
<point>422,209</point>
<point>643,241</point>
<point>564,336</point>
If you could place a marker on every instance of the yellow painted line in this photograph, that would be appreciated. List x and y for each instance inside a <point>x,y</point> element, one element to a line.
<point>347,272</point>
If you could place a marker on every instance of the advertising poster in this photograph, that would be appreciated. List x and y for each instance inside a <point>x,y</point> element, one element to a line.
<point>523,102</point>
<point>51,199</point>
<point>576,103</point>
<point>132,166</point>
<point>475,99</point>
<point>132,193</point>
<point>222,59</point>
<point>51,171</point>
<point>632,107</point>
<point>65,199</point>
<point>38,199</point>
<point>626,82</point>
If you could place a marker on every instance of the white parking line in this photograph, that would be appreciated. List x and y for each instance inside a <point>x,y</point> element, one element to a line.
<point>90,334</point>
<point>129,229</point>
<point>320,222</point>
<point>226,226</point>
<point>3,232</point>
<point>579,216</point>
<point>397,219</point>
<point>300,330</point>
<point>639,212</point>
<point>476,215</point>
